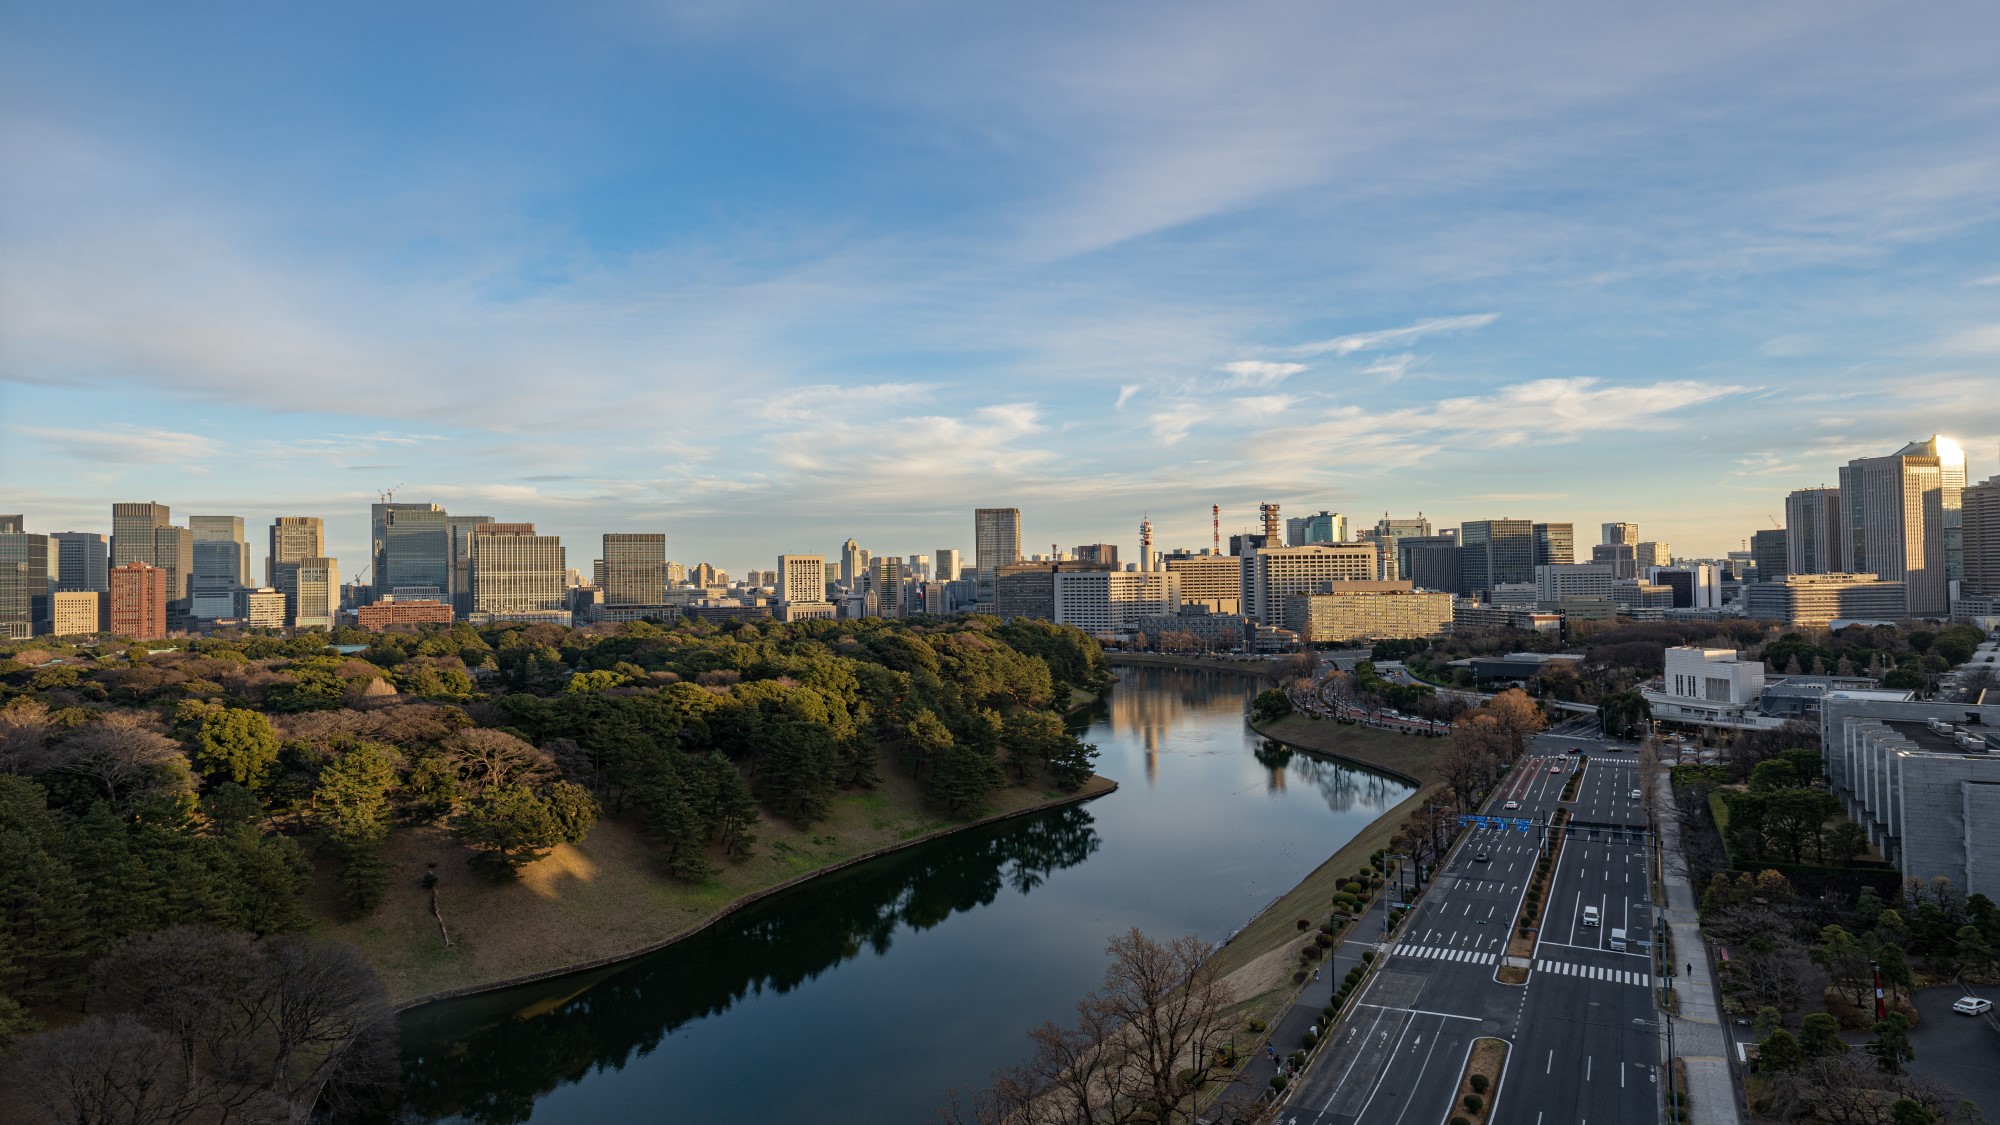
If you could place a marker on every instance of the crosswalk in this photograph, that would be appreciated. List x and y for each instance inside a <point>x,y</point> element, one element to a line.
<point>1615,976</point>
<point>1470,956</point>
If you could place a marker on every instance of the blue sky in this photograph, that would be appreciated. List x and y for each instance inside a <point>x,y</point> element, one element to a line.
<point>764,276</point>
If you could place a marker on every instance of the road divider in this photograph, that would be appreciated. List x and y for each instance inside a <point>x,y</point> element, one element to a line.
<point>1479,1086</point>
<point>1534,900</point>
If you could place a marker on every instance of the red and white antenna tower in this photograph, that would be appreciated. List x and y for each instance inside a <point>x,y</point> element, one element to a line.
<point>1215,517</point>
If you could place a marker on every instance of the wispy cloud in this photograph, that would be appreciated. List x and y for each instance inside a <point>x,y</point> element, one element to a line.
<point>124,443</point>
<point>1393,337</point>
<point>1260,373</point>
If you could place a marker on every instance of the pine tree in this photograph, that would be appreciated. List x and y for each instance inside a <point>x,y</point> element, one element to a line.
<point>962,778</point>
<point>42,914</point>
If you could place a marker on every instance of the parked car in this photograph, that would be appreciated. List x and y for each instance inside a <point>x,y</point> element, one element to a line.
<point>1972,1006</point>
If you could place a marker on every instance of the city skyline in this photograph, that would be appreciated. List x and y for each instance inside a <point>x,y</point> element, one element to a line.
<point>1081,266</point>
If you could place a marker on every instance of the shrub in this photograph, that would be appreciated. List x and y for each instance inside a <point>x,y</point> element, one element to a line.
<point>1255,1025</point>
<point>1352,888</point>
<point>1457,1120</point>
<point>1479,1083</point>
<point>1304,925</point>
<point>1368,955</point>
<point>1328,1011</point>
<point>1311,1037</point>
<point>1474,1103</point>
<point>1323,940</point>
<point>1277,1082</point>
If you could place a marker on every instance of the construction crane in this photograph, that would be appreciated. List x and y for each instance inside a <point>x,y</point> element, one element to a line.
<point>389,494</point>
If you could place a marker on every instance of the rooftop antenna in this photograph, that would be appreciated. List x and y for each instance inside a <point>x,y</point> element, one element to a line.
<point>1215,518</point>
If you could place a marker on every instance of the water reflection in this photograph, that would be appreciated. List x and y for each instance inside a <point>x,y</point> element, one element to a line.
<point>491,1058</point>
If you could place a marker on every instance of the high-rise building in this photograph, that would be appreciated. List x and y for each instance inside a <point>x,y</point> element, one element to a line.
<point>15,524</point>
<point>1431,562</point>
<point>1028,588</point>
<point>24,583</point>
<point>1106,553</point>
<point>1320,527</point>
<point>1496,551</point>
<point>1555,544</point>
<point>517,574</point>
<point>292,538</point>
<point>1654,553</point>
<point>1893,522</point>
<point>885,586</point>
<point>461,559</point>
<point>1389,532</point>
<point>173,551</point>
<point>851,566</point>
<point>139,601</point>
<point>1622,558</point>
<point>802,579</point>
<point>1813,540</point>
<point>312,591</point>
<point>83,561</point>
<point>1273,574</point>
<point>996,542</point>
<point>132,527</point>
<point>415,554</point>
<point>221,565</point>
<point>634,569</point>
<point>1982,538</point>
<point>378,542</point>
<point>947,564</point>
<point>1102,602</point>
<point>996,539</point>
<point>1369,611</point>
<point>1620,533</point>
<point>1768,551</point>
<point>1208,579</point>
<point>227,530</point>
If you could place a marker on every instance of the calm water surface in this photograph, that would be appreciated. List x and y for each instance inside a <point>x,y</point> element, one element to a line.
<point>862,996</point>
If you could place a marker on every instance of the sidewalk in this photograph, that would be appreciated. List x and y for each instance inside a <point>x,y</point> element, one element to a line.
<point>1699,1035</point>
<point>1288,1034</point>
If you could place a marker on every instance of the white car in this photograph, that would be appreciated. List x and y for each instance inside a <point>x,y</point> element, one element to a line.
<point>1972,1006</point>
<point>1511,805</point>
<point>1590,916</point>
<point>1635,794</point>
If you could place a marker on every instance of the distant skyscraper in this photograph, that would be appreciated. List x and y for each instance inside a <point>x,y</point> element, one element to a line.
<point>802,578</point>
<point>83,561</point>
<point>1982,538</point>
<point>1627,533</point>
<point>24,583</point>
<point>1106,553</point>
<point>850,565</point>
<point>173,551</point>
<point>1768,549</point>
<point>1320,527</point>
<point>1555,544</point>
<point>1496,551</point>
<point>885,583</point>
<point>222,529</point>
<point>132,531</point>
<point>1893,521</point>
<point>517,573</point>
<point>378,541</point>
<point>996,539</point>
<point>416,550</point>
<point>14,523</point>
<point>1651,553</point>
<point>461,558</point>
<point>221,564</point>
<point>947,564</point>
<point>139,601</point>
<point>635,569</point>
<point>1813,541</point>
<point>1622,558</point>
<point>1431,562</point>
<point>293,538</point>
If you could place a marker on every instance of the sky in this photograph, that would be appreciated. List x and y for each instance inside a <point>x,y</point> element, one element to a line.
<point>764,276</point>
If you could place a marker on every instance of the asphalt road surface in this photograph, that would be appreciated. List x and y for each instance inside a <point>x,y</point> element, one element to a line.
<point>1586,1039</point>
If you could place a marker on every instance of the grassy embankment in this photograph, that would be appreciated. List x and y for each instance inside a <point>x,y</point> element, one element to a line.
<point>603,900</point>
<point>1259,668</point>
<point>1259,961</point>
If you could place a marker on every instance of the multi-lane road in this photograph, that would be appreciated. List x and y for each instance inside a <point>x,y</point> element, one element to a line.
<point>1584,1032</point>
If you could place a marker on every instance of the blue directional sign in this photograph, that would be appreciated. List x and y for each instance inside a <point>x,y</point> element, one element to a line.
<point>1524,824</point>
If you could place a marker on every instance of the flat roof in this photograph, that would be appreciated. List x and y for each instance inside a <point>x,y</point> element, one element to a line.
<point>1926,739</point>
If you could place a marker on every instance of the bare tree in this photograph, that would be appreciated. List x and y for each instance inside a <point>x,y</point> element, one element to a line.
<point>1468,760</point>
<point>100,1071</point>
<point>25,725</point>
<point>490,759</point>
<point>1142,1048</point>
<point>121,756</point>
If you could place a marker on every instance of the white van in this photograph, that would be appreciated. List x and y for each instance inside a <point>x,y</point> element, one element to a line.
<point>1590,916</point>
<point>1617,941</point>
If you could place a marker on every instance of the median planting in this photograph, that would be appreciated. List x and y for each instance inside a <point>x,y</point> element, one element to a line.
<point>1480,1082</point>
<point>1533,901</point>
